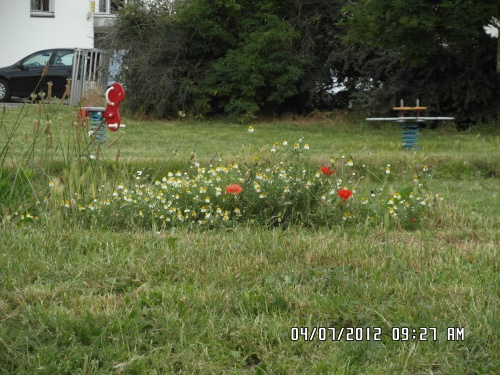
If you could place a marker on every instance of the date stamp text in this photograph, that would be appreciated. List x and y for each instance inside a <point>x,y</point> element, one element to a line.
<point>375,334</point>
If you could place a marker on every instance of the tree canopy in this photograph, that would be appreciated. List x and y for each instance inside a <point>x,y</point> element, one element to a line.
<point>250,57</point>
<point>418,28</point>
<point>440,53</point>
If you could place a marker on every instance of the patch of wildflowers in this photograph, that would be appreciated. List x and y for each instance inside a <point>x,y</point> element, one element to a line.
<point>280,188</point>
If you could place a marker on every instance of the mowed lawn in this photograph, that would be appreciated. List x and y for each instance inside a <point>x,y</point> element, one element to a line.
<point>251,300</point>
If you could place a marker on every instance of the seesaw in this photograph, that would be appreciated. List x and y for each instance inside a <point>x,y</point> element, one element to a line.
<point>409,124</point>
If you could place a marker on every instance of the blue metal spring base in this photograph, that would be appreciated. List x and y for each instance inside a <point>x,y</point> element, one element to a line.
<point>410,135</point>
<point>97,126</point>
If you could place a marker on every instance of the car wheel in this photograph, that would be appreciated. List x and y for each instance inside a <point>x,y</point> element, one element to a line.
<point>4,91</point>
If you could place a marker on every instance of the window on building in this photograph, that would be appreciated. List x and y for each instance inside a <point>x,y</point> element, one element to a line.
<point>44,8</point>
<point>112,6</point>
<point>41,5</point>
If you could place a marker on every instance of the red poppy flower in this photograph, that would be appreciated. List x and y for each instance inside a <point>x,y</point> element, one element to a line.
<point>234,188</point>
<point>344,194</point>
<point>327,170</point>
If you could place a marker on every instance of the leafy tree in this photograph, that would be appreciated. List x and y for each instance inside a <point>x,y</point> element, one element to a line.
<point>252,64</point>
<point>321,40</point>
<point>153,47</point>
<point>273,53</point>
<point>237,57</point>
<point>437,51</point>
<point>418,28</point>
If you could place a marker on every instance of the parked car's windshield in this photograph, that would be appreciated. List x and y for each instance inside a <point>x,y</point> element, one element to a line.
<point>38,59</point>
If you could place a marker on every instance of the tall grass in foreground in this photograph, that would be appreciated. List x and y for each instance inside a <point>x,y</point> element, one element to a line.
<point>105,290</point>
<point>57,151</point>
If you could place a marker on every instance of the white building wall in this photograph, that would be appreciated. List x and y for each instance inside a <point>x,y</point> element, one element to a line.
<point>21,34</point>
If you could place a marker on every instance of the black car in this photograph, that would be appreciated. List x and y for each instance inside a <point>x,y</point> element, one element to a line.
<point>25,77</point>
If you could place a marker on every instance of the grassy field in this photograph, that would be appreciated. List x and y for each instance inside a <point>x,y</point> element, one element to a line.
<point>79,298</point>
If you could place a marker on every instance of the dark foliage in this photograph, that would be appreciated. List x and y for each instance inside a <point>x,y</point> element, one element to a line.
<point>458,81</point>
<point>438,52</point>
<point>243,58</point>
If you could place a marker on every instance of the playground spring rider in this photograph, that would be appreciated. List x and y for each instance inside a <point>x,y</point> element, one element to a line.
<point>111,113</point>
<point>409,125</point>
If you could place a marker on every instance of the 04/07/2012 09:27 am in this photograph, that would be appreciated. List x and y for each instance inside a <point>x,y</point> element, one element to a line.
<point>374,334</point>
